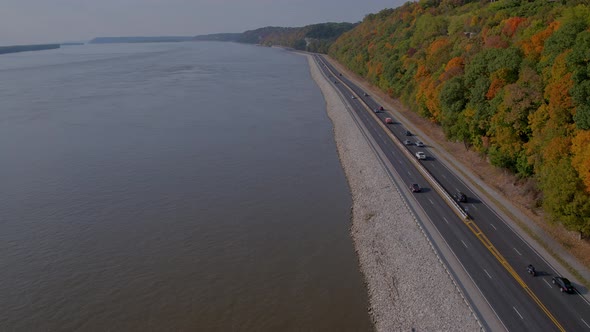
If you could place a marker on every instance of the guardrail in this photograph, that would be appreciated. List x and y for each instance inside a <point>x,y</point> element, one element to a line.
<point>444,194</point>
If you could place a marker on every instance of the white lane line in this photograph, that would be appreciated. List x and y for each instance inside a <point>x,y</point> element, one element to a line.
<point>518,313</point>
<point>473,206</point>
<point>431,202</point>
<point>518,252</point>
<point>484,270</point>
<point>409,173</point>
<point>445,219</point>
<point>548,284</point>
<point>443,176</point>
<point>399,161</point>
<point>464,244</point>
<point>494,227</point>
<point>585,322</point>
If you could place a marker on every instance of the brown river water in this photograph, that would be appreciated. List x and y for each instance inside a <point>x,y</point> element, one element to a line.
<point>171,187</point>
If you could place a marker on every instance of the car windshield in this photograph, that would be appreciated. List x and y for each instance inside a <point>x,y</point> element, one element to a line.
<point>566,282</point>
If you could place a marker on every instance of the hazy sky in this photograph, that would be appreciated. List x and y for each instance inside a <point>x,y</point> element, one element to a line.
<point>40,21</point>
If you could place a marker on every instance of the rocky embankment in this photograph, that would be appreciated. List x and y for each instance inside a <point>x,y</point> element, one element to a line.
<point>409,288</point>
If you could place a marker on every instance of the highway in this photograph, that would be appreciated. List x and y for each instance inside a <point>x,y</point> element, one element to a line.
<point>492,254</point>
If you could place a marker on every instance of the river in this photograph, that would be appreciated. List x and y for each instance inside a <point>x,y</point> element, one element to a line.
<point>172,187</point>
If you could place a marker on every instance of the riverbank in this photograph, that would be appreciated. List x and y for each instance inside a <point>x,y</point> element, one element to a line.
<point>409,288</point>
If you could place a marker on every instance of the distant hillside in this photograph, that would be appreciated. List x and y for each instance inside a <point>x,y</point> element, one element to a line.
<point>163,39</point>
<point>27,48</point>
<point>313,38</point>
<point>509,78</point>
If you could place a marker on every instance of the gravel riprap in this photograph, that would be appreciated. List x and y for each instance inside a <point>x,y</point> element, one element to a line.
<point>409,288</point>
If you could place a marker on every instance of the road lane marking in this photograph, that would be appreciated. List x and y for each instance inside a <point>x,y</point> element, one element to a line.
<point>473,206</point>
<point>484,270</point>
<point>431,202</point>
<point>409,173</point>
<point>443,176</point>
<point>585,322</point>
<point>488,244</point>
<point>494,227</point>
<point>548,284</point>
<point>445,219</point>
<point>399,161</point>
<point>518,313</point>
<point>518,252</point>
<point>464,244</point>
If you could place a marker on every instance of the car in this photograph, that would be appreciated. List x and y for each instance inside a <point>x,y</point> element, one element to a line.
<point>421,155</point>
<point>460,197</point>
<point>353,97</point>
<point>335,81</point>
<point>419,144</point>
<point>340,74</point>
<point>408,142</point>
<point>388,120</point>
<point>415,188</point>
<point>408,133</point>
<point>381,108</point>
<point>376,110</point>
<point>564,284</point>
<point>365,94</point>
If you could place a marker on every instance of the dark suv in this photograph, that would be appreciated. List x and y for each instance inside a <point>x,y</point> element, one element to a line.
<point>563,284</point>
<point>460,197</point>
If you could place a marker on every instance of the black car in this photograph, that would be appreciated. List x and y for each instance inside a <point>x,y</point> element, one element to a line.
<point>564,284</point>
<point>408,133</point>
<point>460,197</point>
<point>415,188</point>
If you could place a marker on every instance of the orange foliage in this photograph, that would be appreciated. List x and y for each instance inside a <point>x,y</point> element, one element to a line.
<point>427,95</point>
<point>421,72</point>
<point>581,156</point>
<point>495,42</point>
<point>437,45</point>
<point>556,148</point>
<point>497,84</point>
<point>511,25</point>
<point>533,47</point>
<point>453,68</point>
<point>374,68</point>
<point>561,107</point>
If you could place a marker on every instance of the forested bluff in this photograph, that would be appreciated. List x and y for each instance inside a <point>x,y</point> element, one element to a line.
<point>510,79</point>
<point>312,38</point>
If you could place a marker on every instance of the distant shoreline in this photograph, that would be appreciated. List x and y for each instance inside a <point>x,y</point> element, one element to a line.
<point>27,48</point>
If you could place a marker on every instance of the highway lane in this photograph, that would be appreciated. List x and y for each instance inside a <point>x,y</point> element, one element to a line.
<point>514,249</point>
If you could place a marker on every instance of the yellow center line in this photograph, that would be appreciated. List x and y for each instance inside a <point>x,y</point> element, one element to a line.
<point>488,244</point>
<point>480,235</point>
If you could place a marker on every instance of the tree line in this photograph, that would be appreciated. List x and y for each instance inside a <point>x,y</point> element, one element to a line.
<point>509,79</point>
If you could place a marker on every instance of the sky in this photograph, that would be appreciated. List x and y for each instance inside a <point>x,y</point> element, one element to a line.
<point>55,21</point>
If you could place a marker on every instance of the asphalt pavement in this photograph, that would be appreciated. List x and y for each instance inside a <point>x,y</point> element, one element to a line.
<point>493,255</point>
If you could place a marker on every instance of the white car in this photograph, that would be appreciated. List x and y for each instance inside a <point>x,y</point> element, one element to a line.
<point>419,144</point>
<point>421,155</point>
<point>353,97</point>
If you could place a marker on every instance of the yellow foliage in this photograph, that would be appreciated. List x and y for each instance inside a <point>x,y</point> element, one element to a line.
<point>581,156</point>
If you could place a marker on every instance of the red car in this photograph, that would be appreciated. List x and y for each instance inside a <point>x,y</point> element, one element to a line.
<point>388,120</point>
<point>381,108</point>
